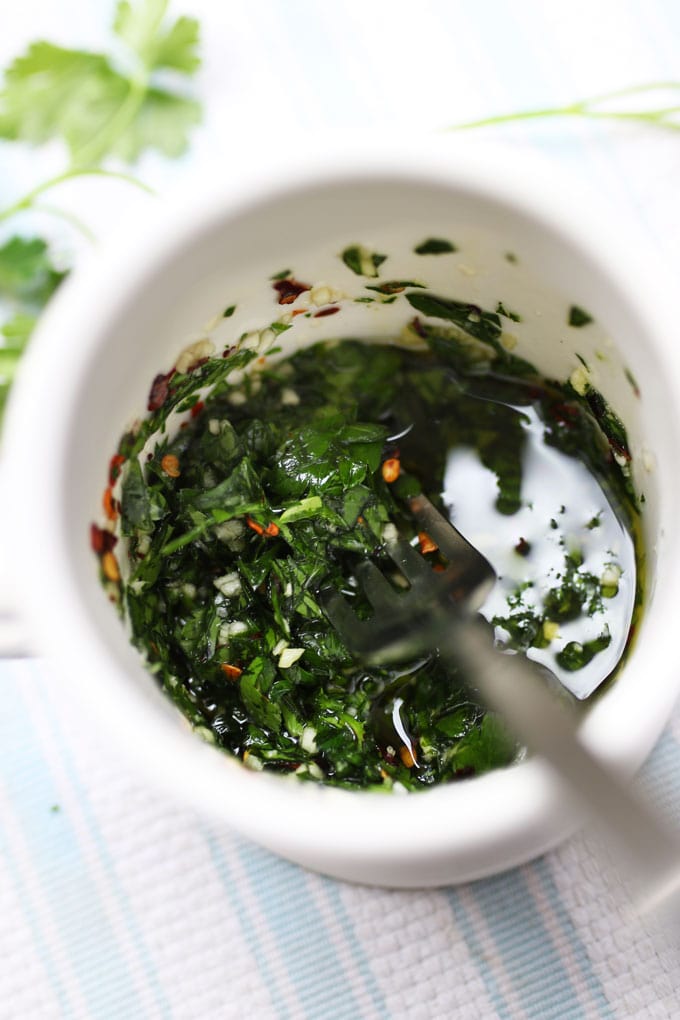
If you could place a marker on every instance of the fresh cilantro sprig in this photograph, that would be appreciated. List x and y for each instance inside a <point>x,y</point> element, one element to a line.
<point>103,107</point>
<point>106,110</point>
<point>28,278</point>
<point>599,108</point>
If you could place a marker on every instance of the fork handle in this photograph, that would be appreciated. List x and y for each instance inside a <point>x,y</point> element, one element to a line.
<point>512,685</point>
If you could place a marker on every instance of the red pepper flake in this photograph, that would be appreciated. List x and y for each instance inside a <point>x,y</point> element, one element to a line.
<point>160,389</point>
<point>439,568</point>
<point>417,326</point>
<point>110,567</point>
<point>408,756</point>
<point>232,672</point>
<point>289,290</point>
<point>101,540</point>
<point>170,465</point>
<point>523,547</point>
<point>197,408</point>
<point>565,414</point>
<point>427,544</point>
<point>326,311</point>
<point>228,351</point>
<point>114,467</point>
<point>257,528</point>
<point>271,530</point>
<point>391,469</point>
<point>298,311</point>
<point>109,504</point>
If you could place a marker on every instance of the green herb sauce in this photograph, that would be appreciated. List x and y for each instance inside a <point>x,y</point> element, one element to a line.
<point>275,488</point>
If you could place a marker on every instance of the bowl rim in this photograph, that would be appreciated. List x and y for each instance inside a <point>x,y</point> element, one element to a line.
<point>523,805</point>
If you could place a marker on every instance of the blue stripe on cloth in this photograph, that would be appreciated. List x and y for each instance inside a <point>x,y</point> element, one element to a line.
<point>333,892</point>
<point>141,950</point>
<point>479,956</point>
<point>518,932</point>
<point>67,889</point>
<point>40,943</point>
<point>541,868</point>
<point>248,927</point>
<point>306,949</point>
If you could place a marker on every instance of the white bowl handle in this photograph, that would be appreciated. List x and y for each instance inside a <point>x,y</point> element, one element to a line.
<point>13,643</point>
<point>13,639</point>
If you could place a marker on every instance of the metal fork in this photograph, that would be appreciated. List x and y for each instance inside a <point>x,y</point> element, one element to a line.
<point>407,622</point>
<point>437,612</point>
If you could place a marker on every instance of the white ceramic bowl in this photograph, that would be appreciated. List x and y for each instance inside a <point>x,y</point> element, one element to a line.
<point>126,317</point>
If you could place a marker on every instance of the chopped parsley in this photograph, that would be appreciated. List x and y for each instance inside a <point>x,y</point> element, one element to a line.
<point>362,261</point>
<point>283,482</point>
<point>578,317</point>
<point>434,246</point>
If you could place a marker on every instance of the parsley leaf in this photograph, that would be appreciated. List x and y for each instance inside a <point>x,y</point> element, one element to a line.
<point>174,48</point>
<point>17,330</point>
<point>27,280</point>
<point>97,109</point>
<point>27,275</point>
<point>163,123</point>
<point>52,92</point>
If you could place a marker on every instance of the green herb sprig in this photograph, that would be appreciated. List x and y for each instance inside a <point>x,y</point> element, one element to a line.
<point>106,110</point>
<point>597,108</point>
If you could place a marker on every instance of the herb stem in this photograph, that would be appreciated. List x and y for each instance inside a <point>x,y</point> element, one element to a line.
<point>587,108</point>
<point>28,200</point>
<point>123,117</point>
<point>118,123</point>
<point>507,118</point>
<point>63,214</point>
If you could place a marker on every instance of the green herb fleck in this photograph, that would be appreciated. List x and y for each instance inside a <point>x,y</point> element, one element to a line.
<point>502,310</point>
<point>434,246</point>
<point>394,286</point>
<point>578,317</point>
<point>362,261</point>
<point>575,655</point>
<point>632,380</point>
